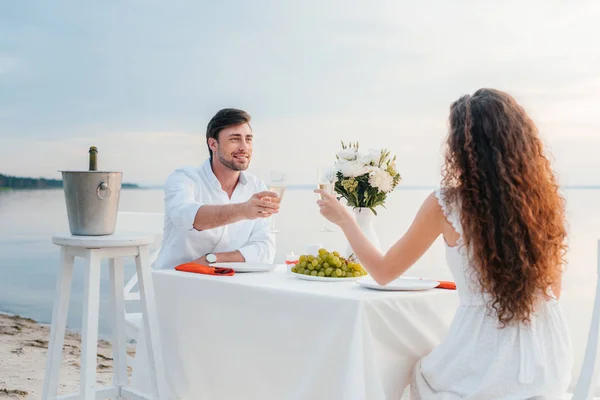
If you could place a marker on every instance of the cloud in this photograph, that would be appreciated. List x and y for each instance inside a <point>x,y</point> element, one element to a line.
<point>309,72</point>
<point>8,64</point>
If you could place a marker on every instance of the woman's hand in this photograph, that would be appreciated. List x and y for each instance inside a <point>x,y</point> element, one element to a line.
<point>332,209</point>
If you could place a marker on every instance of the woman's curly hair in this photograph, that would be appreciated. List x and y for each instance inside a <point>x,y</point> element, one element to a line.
<point>512,214</point>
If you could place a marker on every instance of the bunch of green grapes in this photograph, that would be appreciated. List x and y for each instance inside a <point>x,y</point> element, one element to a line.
<point>328,264</point>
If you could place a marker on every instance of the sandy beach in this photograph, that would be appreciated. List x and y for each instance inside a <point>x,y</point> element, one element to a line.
<point>23,347</point>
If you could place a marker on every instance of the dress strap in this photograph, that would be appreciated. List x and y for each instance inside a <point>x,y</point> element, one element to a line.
<point>451,211</point>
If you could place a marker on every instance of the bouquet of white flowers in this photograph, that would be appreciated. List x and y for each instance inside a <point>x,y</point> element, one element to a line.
<point>365,179</point>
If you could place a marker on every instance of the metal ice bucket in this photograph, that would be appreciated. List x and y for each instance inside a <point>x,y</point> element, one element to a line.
<point>92,199</point>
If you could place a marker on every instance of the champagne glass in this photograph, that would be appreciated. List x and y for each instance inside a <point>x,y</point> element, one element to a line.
<point>326,179</point>
<point>276,185</point>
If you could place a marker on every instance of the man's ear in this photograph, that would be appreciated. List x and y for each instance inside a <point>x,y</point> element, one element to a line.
<point>213,144</point>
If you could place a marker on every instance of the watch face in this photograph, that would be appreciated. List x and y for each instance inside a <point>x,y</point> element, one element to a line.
<point>211,258</point>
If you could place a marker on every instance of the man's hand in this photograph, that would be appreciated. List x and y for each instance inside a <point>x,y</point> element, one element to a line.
<point>201,261</point>
<point>261,205</point>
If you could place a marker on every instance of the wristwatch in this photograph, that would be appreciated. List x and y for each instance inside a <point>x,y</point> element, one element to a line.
<point>211,258</point>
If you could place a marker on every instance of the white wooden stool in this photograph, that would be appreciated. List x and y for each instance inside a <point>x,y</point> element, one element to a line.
<point>94,249</point>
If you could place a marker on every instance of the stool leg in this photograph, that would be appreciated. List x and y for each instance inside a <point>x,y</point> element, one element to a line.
<point>117,312</point>
<point>89,335</point>
<point>59,323</point>
<point>150,323</point>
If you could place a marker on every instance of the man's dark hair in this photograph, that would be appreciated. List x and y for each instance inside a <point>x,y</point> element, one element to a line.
<point>224,119</point>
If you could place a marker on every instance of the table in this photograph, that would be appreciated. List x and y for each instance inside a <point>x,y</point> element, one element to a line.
<point>93,249</point>
<point>273,336</point>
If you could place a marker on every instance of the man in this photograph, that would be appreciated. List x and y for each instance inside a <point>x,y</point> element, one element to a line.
<point>217,212</point>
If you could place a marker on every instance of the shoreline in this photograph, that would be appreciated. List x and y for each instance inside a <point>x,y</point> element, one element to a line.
<point>24,189</point>
<point>101,336</point>
<point>23,349</point>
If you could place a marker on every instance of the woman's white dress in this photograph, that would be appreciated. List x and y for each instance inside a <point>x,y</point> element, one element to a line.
<point>479,360</point>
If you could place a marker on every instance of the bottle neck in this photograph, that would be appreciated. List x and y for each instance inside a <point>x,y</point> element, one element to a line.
<point>93,159</point>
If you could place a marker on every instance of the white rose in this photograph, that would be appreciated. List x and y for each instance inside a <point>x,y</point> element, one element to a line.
<point>371,157</point>
<point>347,154</point>
<point>350,169</point>
<point>381,180</point>
<point>370,169</point>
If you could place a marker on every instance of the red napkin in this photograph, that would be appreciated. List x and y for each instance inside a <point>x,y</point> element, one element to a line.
<point>203,269</point>
<point>446,285</point>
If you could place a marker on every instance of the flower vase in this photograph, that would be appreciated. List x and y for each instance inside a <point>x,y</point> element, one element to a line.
<point>364,219</point>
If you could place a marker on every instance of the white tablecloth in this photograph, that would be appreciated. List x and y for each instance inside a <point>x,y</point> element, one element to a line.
<point>273,336</point>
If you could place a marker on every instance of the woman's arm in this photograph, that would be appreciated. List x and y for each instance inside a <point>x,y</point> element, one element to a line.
<point>424,230</point>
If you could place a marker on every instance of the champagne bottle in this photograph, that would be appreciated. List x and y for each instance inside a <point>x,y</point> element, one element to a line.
<point>93,158</point>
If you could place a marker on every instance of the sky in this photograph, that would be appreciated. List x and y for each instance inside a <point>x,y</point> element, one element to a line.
<point>141,79</point>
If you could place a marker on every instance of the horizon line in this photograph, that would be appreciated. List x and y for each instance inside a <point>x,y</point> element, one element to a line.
<point>405,187</point>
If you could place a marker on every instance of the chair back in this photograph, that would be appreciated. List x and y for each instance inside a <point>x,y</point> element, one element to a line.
<point>588,377</point>
<point>141,222</point>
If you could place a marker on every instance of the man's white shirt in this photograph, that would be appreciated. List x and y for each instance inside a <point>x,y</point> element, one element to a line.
<point>186,190</point>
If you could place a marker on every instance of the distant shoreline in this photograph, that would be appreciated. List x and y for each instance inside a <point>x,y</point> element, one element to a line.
<point>17,182</point>
<point>124,186</point>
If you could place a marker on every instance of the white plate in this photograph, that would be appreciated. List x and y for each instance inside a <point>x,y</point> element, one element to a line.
<point>403,283</point>
<point>246,267</point>
<point>326,278</point>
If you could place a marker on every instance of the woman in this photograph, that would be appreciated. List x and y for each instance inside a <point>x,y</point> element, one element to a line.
<point>503,224</point>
